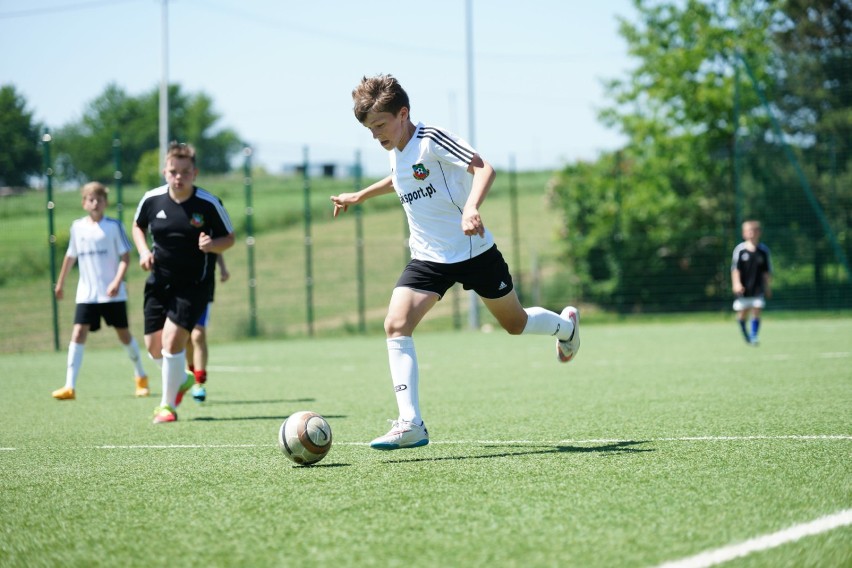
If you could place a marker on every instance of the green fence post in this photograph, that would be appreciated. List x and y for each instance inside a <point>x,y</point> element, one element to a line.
<point>359,249</point>
<point>516,235</point>
<point>51,234</point>
<point>309,276</point>
<point>250,241</point>
<point>117,175</point>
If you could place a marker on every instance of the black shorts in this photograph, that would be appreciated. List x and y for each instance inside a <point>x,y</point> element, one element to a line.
<point>487,275</point>
<point>183,303</point>
<point>114,314</point>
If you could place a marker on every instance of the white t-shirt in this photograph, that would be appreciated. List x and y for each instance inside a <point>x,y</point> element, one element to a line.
<point>98,248</point>
<point>431,180</point>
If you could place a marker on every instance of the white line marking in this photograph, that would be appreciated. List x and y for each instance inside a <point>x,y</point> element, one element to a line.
<point>8,449</point>
<point>511,442</point>
<point>765,542</point>
<point>178,446</point>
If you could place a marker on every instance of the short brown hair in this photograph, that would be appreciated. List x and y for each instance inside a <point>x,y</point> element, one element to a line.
<point>180,150</point>
<point>381,93</point>
<point>95,188</point>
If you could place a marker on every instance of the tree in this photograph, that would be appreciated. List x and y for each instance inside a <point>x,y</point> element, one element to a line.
<point>20,135</point>
<point>814,98</point>
<point>656,218</point>
<point>85,147</point>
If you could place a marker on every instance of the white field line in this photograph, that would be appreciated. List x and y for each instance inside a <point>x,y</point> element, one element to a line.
<point>505,442</point>
<point>765,542</point>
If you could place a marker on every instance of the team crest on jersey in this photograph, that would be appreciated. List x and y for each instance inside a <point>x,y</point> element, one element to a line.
<point>420,172</point>
<point>197,220</point>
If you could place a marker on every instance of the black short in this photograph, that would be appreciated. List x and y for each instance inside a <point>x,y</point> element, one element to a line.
<point>113,313</point>
<point>487,275</point>
<point>184,304</point>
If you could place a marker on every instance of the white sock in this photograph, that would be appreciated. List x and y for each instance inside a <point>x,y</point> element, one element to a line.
<point>75,361</point>
<point>157,362</point>
<point>405,375</point>
<point>132,349</point>
<point>545,322</point>
<point>174,374</point>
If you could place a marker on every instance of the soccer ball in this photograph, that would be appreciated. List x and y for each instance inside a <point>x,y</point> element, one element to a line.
<point>305,437</point>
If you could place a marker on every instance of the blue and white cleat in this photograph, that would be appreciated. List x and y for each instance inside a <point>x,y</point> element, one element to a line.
<point>198,392</point>
<point>403,434</point>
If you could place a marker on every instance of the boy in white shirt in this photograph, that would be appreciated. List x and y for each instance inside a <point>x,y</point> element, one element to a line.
<point>100,246</point>
<point>441,182</point>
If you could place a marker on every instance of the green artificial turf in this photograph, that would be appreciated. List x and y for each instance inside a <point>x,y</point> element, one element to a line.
<point>659,442</point>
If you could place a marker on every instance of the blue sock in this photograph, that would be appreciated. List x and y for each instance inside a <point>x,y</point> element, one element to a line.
<point>743,328</point>
<point>755,325</point>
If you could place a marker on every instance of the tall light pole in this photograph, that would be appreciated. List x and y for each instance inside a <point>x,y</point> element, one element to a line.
<point>164,85</point>
<point>473,299</point>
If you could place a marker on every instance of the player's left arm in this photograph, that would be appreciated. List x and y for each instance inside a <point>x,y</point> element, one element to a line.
<point>224,275</point>
<point>221,225</point>
<point>115,285</point>
<point>217,245</point>
<point>483,178</point>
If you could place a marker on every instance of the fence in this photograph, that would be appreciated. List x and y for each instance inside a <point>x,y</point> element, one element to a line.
<point>294,270</point>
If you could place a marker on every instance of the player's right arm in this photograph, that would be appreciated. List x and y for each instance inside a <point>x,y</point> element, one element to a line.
<point>140,239</point>
<point>736,283</point>
<point>67,263</point>
<point>344,200</point>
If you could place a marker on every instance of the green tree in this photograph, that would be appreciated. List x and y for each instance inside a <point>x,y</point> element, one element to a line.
<point>654,220</point>
<point>85,146</point>
<point>20,135</point>
<point>814,98</point>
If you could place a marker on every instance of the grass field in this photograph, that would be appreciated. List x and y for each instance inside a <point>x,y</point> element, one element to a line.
<point>661,441</point>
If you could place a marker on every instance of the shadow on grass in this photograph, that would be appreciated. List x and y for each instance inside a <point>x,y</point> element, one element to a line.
<point>236,418</point>
<point>231,402</point>
<point>610,449</point>
<point>320,465</point>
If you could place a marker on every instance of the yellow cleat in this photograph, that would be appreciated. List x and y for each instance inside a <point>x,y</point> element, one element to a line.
<point>142,386</point>
<point>65,393</point>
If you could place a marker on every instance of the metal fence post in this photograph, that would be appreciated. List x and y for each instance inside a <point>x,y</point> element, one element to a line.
<point>250,242</point>
<point>51,234</point>
<point>309,276</point>
<point>359,249</point>
<point>117,175</point>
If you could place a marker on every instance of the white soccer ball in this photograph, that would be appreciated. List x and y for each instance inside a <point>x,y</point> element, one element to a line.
<point>305,437</point>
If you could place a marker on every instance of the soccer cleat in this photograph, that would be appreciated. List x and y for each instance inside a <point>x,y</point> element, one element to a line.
<point>403,434</point>
<point>65,393</point>
<point>187,384</point>
<point>753,340</point>
<point>567,349</point>
<point>199,392</point>
<point>163,414</point>
<point>142,386</point>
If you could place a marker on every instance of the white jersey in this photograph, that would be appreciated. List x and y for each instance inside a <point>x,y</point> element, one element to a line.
<point>431,180</point>
<point>98,248</point>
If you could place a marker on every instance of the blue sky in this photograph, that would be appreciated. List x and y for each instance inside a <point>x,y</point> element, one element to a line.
<point>281,73</point>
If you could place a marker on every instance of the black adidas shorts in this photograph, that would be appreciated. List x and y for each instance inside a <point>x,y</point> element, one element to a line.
<point>113,313</point>
<point>487,275</point>
<point>183,303</point>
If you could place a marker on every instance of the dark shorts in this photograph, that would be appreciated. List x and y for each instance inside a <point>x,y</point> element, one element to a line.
<point>205,317</point>
<point>182,303</point>
<point>113,313</point>
<point>487,275</point>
